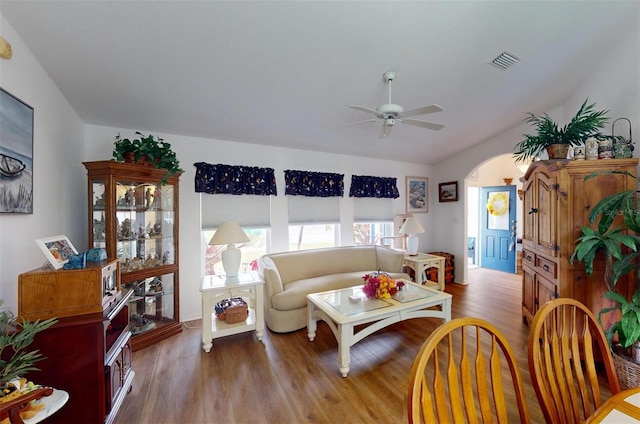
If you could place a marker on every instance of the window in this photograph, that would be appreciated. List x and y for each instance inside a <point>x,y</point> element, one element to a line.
<point>257,246</point>
<point>313,236</point>
<point>371,232</point>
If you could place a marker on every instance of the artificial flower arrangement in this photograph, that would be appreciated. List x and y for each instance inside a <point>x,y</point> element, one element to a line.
<point>380,285</point>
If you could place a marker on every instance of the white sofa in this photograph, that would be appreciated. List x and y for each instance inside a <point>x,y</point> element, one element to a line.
<point>290,276</point>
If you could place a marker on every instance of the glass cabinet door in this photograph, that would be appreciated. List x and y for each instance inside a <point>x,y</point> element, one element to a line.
<point>152,303</point>
<point>98,219</point>
<point>144,225</point>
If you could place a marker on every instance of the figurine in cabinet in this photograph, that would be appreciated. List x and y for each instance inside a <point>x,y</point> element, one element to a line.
<point>147,198</point>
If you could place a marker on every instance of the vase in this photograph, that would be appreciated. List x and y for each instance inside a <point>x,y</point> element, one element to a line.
<point>129,157</point>
<point>557,151</point>
<point>591,148</point>
<point>605,149</point>
<point>579,153</point>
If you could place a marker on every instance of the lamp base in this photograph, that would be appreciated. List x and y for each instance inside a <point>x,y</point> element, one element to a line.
<point>231,260</point>
<point>412,244</point>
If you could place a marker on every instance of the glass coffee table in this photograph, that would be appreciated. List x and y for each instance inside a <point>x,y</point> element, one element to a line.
<point>345,309</point>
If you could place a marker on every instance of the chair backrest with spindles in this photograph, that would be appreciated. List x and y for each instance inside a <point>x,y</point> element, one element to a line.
<point>466,372</point>
<point>565,341</point>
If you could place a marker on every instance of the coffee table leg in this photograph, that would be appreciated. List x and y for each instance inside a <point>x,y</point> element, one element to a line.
<point>312,324</point>
<point>446,308</point>
<point>344,348</point>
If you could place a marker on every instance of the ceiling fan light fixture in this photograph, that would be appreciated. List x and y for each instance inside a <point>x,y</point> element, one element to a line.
<point>505,60</point>
<point>390,113</point>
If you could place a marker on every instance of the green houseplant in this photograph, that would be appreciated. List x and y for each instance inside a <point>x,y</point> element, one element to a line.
<point>15,338</point>
<point>621,246</point>
<point>586,123</point>
<point>147,150</point>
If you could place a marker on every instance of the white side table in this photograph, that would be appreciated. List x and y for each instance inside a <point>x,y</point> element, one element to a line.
<point>421,262</point>
<point>214,288</point>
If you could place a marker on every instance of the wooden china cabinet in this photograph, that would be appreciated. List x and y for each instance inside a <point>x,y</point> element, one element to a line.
<point>133,214</point>
<point>556,205</point>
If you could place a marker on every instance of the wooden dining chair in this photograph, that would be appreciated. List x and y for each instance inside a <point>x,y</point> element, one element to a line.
<point>565,341</point>
<point>459,376</point>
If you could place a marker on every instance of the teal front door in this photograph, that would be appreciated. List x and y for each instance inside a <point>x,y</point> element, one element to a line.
<point>498,229</point>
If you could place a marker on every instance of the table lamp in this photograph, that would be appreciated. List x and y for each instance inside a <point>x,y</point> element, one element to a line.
<point>230,233</point>
<point>412,227</point>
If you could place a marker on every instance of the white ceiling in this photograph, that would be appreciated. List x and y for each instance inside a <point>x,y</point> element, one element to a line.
<point>282,73</point>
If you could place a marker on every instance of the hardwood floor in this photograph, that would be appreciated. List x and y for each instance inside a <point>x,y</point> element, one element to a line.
<point>287,379</point>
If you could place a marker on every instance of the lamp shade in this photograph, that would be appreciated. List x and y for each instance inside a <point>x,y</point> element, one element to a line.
<point>411,226</point>
<point>230,233</point>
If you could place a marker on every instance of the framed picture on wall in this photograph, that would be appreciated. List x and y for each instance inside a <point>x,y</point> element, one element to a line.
<point>448,192</point>
<point>16,155</point>
<point>57,250</point>
<point>417,192</point>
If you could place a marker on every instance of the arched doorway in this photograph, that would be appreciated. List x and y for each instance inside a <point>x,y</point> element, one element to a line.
<point>493,172</point>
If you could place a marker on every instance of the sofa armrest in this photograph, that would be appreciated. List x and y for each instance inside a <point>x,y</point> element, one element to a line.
<point>271,276</point>
<point>389,260</point>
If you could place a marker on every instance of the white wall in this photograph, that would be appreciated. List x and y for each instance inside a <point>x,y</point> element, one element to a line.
<point>59,190</point>
<point>60,180</point>
<point>613,85</point>
<point>191,150</point>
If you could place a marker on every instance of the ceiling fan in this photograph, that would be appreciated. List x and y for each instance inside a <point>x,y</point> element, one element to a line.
<point>391,113</point>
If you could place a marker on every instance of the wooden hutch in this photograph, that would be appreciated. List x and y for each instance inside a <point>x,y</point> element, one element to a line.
<point>556,205</point>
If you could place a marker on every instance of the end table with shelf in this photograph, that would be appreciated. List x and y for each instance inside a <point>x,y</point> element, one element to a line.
<point>214,288</point>
<point>421,262</point>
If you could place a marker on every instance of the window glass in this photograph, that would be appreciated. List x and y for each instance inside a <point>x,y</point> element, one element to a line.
<point>303,237</point>
<point>251,251</point>
<point>371,233</point>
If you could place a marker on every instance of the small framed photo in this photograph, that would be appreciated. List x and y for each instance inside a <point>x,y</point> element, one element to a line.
<point>57,250</point>
<point>448,192</point>
<point>417,191</point>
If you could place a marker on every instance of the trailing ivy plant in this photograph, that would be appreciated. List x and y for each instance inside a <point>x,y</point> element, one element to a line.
<point>152,148</point>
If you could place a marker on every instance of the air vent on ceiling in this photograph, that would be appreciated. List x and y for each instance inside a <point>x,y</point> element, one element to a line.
<point>505,60</point>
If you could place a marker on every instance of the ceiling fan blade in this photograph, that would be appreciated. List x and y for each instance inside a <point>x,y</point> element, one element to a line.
<point>367,110</point>
<point>423,124</point>
<point>356,123</point>
<point>385,131</point>
<point>423,110</point>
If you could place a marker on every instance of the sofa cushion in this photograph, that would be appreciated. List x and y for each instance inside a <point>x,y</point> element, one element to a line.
<point>294,295</point>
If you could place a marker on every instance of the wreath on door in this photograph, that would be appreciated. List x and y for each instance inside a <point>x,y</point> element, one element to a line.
<point>498,204</point>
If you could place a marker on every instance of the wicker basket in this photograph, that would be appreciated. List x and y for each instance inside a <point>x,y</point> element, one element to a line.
<point>232,310</point>
<point>627,370</point>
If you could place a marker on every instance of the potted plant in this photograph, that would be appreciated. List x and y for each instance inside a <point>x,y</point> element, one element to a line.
<point>621,247</point>
<point>147,150</point>
<point>15,360</point>
<point>586,123</point>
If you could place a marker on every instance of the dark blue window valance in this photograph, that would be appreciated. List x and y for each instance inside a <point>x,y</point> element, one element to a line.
<point>380,187</point>
<point>313,184</point>
<point>229,179</point>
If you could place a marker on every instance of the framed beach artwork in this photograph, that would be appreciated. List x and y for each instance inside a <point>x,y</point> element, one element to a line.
<point>57,250</point>
<point>448,192</point>
<point>16,155</point>
<point>417,190</point>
